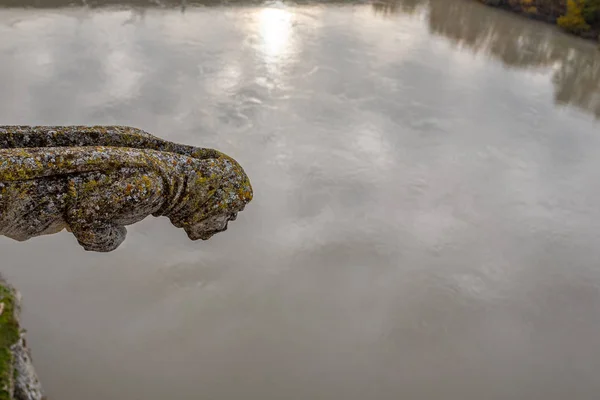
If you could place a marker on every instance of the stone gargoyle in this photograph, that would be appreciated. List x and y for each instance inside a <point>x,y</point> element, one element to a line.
<point>93,181</point>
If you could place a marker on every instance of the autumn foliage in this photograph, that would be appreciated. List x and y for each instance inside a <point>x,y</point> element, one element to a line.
<point>577,16</point>
<point>573,20</point>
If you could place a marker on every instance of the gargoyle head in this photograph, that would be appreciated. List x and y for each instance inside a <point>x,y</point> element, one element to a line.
<point>217,190</point>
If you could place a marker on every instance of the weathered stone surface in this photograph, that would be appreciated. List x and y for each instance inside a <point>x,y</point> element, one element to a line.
<point>93,181</point>
<point>18,379</point>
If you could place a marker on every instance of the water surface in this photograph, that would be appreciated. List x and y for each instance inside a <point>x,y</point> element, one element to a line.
<point>425,222</point>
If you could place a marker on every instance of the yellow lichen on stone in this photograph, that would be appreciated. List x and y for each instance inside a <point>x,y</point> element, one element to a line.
<point>96,180</point>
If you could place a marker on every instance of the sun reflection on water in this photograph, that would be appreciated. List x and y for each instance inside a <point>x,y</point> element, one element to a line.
<point>275,28</point>
<point>276,42</point>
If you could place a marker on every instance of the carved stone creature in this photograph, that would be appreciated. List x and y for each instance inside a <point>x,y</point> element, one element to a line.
<point>93,181</point>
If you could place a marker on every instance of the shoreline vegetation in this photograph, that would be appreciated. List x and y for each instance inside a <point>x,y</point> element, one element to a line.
<point>579,17</point>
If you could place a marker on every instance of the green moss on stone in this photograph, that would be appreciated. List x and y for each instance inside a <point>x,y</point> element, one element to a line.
<point>9,335</point>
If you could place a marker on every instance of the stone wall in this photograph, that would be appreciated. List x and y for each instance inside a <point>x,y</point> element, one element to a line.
<point>18,379</point>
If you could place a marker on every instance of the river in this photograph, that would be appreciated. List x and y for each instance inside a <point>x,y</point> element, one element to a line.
<point>426,219</point>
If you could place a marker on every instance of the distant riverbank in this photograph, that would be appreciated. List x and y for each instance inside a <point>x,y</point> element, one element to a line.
<point>579,17</point>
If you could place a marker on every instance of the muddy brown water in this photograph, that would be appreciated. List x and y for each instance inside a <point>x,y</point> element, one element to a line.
<point>425,222</point>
